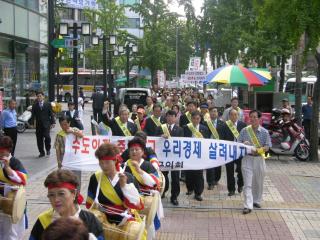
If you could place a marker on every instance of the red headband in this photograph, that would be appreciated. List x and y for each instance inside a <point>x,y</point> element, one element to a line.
<point>117,158</point>
<point>69,186</point>
<point>4,149</point>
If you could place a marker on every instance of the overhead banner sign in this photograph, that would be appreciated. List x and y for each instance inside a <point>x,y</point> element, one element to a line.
<point>80,4</point>
<point>173,153</point>
<point>194,76</point>
<point>194,63</point>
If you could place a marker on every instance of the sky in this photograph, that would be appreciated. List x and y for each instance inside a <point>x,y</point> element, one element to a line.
<point>197,4</point>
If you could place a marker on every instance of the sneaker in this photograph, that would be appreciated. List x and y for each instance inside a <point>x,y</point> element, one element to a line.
<point>246,211</point>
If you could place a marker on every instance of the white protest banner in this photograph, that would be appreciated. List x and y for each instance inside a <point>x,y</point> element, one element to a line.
<point>80,4</point>
<point>173,153</point>
<point>195,76</point>
<point>194,63</point>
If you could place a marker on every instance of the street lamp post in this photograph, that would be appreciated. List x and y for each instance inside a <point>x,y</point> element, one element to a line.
<point>85,31</point>
<point>128,50</point>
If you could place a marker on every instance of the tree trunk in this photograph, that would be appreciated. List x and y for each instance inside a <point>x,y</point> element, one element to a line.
<point>314,138</point>
<point>282,72</point>
<point>298,87</point>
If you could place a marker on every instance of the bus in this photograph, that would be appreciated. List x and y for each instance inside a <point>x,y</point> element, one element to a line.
<point>87,79</point>
<point>307,88</point>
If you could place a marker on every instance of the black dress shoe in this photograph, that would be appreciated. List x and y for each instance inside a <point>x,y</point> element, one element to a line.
<point>231,194</point>
<point>240,189</point>
<point>41,155</point>
<point>48,153</point>
<point>198,197</point>
<point>246,211</point>
<point>210,186</point>
<point>163,195</point>
<point>256,205</point>
<point>175,202</point>
<point>189,192</point>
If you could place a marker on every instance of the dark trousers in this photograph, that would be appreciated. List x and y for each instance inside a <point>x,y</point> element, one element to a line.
<point>43,133</point>
<point>195,181</point>
<point>230,175</point>
<point>13,134</point>
<point>213,175</point>
<point>175,183</point>
<point>97,115</point>
<point>307,125</point>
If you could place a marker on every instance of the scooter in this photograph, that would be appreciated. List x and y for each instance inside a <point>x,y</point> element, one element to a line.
<point>23,121</point>
<point>296,145</point>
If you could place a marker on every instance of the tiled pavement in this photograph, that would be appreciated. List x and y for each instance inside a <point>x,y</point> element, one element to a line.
<point>291,207</point>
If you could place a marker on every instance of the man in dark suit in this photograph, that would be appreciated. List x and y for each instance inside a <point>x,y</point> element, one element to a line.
<point>194,178</point>
<point>73,114</point>
<point>215,129</point>
<point>120,125</point>
<point>230,132</point>
<point>97,105</point>
<point>43,114</point>
<point>170,129</point>
<point>186,118</point>
<point>154,121</point>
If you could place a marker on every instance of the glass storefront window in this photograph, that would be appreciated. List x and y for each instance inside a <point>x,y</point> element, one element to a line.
<point>43,7</point>
<point>21,2</point>
<point>33,5</point>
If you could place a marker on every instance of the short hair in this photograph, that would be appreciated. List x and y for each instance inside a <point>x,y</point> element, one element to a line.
<point>195,113</point>
<point>192,102</point>
<point>139,141</point>
<point>211,108</point>
<point>156,106</point>
<point>171,113</point>
<point>177,106</point>
<point>232,109</point>
<point>70,103</point>
<point>255,111</point>
<point>64,118</point>
<point>40,92</point>
<point>310,97</point>
<point>107,150</point>
<point>234,98</point>
<point>12,100</point>
<point>123,109</point>
<point>66,228</point>
<point>142,135</point>
<point>140,106</point>
<point>6,142</point>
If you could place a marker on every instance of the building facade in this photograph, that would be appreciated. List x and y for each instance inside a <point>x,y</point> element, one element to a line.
<point>23,48</point>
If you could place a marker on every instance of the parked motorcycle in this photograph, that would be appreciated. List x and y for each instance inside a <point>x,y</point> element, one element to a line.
<point>294,143</point>
<point>24,120</point>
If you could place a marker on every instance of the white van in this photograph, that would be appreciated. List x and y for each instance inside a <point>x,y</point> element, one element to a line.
<point>130,96</point>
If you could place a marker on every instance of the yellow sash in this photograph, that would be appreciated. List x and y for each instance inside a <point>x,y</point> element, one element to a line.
<point>45,218</point>
<point>188,115</point>
<point>206,117</point>
<point>155,120</point>
<point>149,110</point>
<point>62,133</point>
<point>123,127</point>
<point>137,122</point>
<point>232,128</point>
<point>107,189</point>
<point>194,131</point>
<point>165,130</point>
<point>213,129</point>
<point>134,172</point>
<point>4,179</point>
<point>256,142</point>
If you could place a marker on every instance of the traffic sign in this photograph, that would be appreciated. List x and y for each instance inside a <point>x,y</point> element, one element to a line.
<point>63,43</point>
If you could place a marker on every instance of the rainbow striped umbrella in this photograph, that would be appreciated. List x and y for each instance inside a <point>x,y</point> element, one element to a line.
<point>236,76</point>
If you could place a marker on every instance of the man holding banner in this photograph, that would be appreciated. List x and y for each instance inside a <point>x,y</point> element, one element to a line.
<point>154,121</point>
<point>231,133</point>
<point>194,178</point>
<point>166,130</point>
<point>120,125</point>
<point>186,118</point>
<point>215,127</point>
<point>253,165</point>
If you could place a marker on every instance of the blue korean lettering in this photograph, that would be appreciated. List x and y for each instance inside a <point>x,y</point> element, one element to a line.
<point>177,147</point>
<point>233,152</point>
<point>187,148</point>
<point>243,151</point>
<point>166,149</point>
<point>197,148</point>
<point>213,151</point>
<point>223,150</point>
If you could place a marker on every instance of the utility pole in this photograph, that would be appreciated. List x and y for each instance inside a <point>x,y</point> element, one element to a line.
<point>51,50</point>
<point>177,51</point>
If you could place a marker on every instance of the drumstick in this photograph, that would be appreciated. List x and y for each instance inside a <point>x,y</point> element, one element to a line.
<point>124,167</point>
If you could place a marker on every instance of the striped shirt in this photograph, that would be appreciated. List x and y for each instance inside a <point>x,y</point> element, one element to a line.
<point>261,133</point>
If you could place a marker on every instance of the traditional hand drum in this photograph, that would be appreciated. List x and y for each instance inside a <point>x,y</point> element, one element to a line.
<point>14,203</point>
<point>162,182</point>
<point>151,204</point>
<point>131,230</point>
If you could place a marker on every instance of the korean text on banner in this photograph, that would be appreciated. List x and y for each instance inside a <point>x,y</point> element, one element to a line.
<point>173,153</point>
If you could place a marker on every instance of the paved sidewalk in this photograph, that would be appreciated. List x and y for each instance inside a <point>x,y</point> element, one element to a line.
<point>291,207</point>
